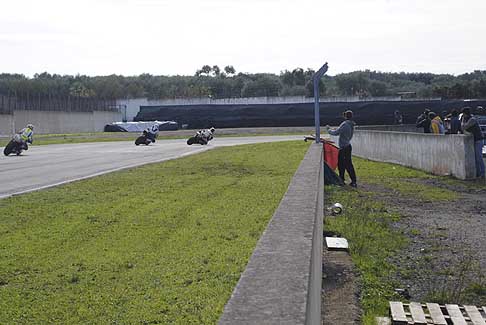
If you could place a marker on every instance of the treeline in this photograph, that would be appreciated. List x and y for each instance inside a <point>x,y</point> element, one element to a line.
<point>214,82</point>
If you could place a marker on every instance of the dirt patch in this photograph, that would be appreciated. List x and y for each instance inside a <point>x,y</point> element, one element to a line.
<point>445,260</point>
<point>340,289</point>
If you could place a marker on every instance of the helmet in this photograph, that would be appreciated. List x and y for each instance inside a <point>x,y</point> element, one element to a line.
<point>212,129</point>
<point>30,126</point>
<point>348,114</point>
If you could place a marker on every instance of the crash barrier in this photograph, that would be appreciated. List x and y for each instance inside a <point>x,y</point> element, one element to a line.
<point>282,281</point>
<point>396,128</point>
<point>437,154</point>
<point>61,122</point>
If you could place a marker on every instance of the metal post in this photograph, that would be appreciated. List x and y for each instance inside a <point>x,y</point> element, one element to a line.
<point>316,78</point>
<point>317,121</point>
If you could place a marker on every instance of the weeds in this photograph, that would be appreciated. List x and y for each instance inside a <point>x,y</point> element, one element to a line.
<point>462,282</point>
<point>366,225</point>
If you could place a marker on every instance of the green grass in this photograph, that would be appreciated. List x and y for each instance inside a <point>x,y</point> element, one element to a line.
<point>164,243</point>
<point>365,223</point>
<point>403,180</point>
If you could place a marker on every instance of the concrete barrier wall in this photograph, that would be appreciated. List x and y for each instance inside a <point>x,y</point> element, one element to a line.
<point>64,122</point>
<point>55,122</point>
<point>101,118</point>
<point>437,154</point>
<point>6,124</point>
<point>396,128</point>
<point>282,281</point>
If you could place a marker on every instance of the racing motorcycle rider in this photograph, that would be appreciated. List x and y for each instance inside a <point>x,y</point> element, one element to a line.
<point>206,135</point>
<point>26,135</point>
<point>152,132</point>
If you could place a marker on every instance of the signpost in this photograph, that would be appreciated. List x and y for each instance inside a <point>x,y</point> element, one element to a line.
<point>316,78</point>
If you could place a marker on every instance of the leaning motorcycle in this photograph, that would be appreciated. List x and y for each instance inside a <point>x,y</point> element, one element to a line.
<point>16,145</point>
<point>144,139</point>
<point>197,138</point>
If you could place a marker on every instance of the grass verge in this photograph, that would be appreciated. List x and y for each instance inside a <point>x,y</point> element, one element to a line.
<point>367,223</point>
<point>402,180</point>
<point>163,243</point>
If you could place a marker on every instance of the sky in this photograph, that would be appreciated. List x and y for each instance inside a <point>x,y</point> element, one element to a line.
<point>178,37</point>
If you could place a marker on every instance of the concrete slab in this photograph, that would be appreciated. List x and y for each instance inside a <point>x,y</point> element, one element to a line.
<point>337,243</point>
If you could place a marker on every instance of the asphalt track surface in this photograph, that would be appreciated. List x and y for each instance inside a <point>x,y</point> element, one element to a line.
<point>51,165</point>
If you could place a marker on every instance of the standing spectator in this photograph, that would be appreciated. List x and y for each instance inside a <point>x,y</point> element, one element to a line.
<point>423,121</point>
<point>345,133</point>
<point>397,117</point>
<point>436,124</point>
<point>470,125</point>
<point>455,123</point>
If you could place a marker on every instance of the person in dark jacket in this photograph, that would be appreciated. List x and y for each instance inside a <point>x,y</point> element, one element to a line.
<point>454,122</point>
<point>345,132</point>
<point>397,117</point>
<point>423,121</point>
<point>470,125</point>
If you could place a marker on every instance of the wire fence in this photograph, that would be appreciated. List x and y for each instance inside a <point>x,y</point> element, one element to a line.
<point>38,102</point>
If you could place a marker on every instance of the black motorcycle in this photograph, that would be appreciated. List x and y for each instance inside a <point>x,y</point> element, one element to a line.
<point>197,138</point>
<point>145,139</point>
<point>14,146</point>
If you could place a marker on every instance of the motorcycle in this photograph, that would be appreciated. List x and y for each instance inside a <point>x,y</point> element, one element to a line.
<point>145,139</point>
<point>198,138</point>
<point>15,146</point>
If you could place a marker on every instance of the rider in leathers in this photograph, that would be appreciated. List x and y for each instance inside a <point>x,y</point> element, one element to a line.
<point>206,135</point>
<point>26,135</point>
<point>152,132</point>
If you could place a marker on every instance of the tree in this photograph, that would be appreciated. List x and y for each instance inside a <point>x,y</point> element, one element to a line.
<point>377,88</point>
<point>229,70</point>
<point>299,77</point>
<point>264,85</point>
<point>309,86</point>
<point>216,70</point>
<point>78,89</point>
<point>287,78</point>
<point>206,70</point>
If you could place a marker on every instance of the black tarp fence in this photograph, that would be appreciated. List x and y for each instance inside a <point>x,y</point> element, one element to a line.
<point>300,114</point>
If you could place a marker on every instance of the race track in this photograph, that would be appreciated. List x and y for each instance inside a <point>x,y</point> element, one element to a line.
<point>50,165</point>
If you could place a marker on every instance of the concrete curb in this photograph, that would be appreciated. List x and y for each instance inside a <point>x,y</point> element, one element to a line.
<point>282,281</point>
